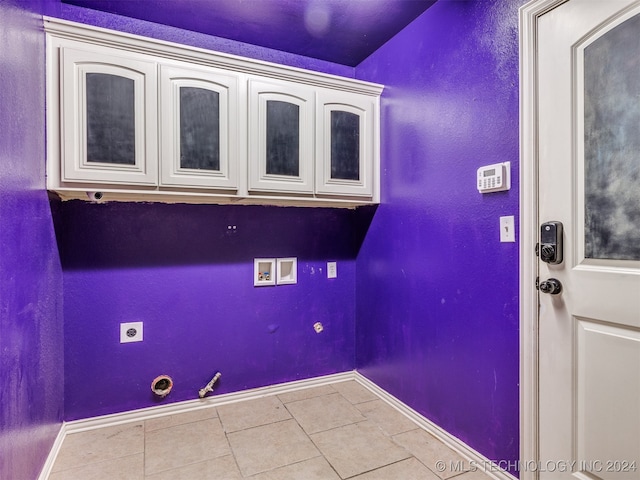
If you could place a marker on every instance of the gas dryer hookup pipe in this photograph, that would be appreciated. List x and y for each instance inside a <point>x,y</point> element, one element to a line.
<point>209,386</point>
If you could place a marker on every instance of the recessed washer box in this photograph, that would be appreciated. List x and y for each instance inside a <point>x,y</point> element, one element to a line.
<point>130,332</point>
<point>264,272</point>
<point>287,271</point>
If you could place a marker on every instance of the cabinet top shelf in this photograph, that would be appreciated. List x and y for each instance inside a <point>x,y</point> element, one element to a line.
<point>65,29</point>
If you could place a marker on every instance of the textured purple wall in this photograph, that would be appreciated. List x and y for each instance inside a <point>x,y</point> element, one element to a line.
<point>31,364</point>
<point>333,30</point>
<point>437,293</point>
<point>194,39</point>
<point>173,267</point>
<point>176,268</point>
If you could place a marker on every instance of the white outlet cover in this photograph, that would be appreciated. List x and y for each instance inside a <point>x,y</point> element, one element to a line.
<point>130,332</point>
<point>332,269</point>
<point>507,229</point>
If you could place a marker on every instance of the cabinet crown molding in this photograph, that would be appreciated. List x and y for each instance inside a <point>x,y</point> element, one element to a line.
<point>65,29</point>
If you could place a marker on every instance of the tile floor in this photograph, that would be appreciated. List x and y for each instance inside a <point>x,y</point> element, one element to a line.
<point>331,432</point>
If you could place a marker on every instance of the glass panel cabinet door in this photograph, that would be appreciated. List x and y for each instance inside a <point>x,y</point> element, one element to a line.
<point>108,131</point>
<point>280,137</point>
<point>199,118</point>
<point>345,143</point>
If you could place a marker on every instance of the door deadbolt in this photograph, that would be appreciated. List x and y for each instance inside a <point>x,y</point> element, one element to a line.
<point>551,286</point>
<point>551,242</point>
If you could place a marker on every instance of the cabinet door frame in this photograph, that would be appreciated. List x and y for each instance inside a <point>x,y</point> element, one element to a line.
<point>304,97</point>
<point>365,108</point>
<point>172,78</point>
<point>75,64</point>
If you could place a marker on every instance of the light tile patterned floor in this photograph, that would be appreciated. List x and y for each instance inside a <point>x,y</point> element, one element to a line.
<point>332,432</point>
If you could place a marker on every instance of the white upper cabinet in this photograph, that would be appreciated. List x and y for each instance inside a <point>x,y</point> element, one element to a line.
<point>199,128</point>
<point>139,119</point>
<point>108,115</point>
<point>281,137</point>
<point>346,144</point>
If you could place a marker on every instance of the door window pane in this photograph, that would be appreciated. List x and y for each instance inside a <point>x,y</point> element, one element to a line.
<point>110,119</point>
<point>345,145</point>
<point>199,129</point>
<point>612,144</point>
<point>283,138</point>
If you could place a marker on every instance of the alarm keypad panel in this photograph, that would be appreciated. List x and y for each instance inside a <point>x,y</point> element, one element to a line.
<point>494,178</point>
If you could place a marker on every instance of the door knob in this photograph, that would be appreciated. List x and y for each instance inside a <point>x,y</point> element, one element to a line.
<point>551,286</point>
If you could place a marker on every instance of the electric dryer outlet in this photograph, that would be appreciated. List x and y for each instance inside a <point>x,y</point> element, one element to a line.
<point>130,332</point>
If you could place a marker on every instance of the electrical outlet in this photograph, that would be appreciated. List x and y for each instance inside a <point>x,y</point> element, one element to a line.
<point>332,269</point>
<point>130,332</point>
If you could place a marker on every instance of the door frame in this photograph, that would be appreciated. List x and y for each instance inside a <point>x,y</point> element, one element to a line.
<point>529,16</point>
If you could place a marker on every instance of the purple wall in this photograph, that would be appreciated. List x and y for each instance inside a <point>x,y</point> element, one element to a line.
<point>431,314</point>
<point>437,294</point>
<point>176,268</point>
<point>333,30</point>
<point>173,267</point>
<point>31,349</point>
<point>194,39</point>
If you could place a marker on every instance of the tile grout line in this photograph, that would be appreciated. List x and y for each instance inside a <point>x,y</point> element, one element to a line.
<point>378,393</point>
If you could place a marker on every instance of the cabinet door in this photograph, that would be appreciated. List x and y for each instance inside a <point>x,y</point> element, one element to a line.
<point>346,149</point>
<point>280,137</point>
<point>108,118</point>
<point>199,125</point>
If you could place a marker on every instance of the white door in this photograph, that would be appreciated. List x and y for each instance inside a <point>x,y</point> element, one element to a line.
<point>589,180</point>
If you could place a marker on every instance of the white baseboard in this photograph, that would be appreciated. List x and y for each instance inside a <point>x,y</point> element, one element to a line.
<point>473,457</point>
<point>454,443</point>
<point>53,454</point>
<point>199,404</point>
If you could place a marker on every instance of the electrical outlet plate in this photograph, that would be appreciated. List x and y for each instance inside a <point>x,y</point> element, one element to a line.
<point>130,332</point>
<point>287,271</point>
<point>264,272</point>
<point>332,269</point>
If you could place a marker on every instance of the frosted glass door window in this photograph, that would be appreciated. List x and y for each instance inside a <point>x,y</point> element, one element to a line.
<point>109,114</point>
<point>280,137</point>
<point>199,129</point>
<point>345,142</point>
<point>283,138</point>
<point>199,126</point>
<point>111,133</point>
<point>612,144</point>
<point>345,145</point>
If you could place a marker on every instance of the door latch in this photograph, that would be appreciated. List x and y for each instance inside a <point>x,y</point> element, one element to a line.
<point>551,286</point>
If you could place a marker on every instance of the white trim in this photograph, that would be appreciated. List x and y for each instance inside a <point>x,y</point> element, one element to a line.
<point>469,454</point>
<point>163,49</point>
<point>529,435</point>
<point>489,468</point>
<point>199,404</point>
<point>53,453</point>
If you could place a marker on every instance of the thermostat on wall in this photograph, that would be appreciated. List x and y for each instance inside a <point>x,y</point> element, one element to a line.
<point>494,178</point>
